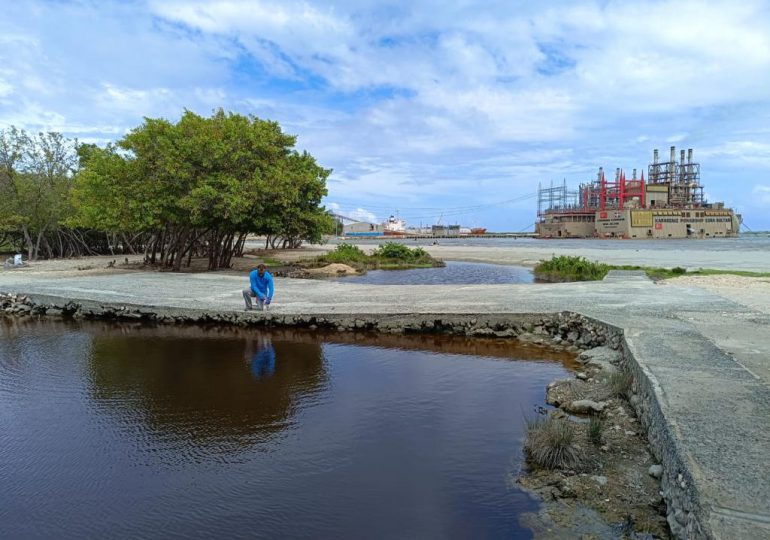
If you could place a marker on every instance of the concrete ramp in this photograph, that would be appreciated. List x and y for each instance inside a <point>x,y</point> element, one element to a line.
<point>626,275</point>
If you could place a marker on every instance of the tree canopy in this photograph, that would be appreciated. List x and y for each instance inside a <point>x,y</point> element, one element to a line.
<point>179,190</point>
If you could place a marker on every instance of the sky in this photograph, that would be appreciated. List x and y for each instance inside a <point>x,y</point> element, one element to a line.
<point>449,112</point>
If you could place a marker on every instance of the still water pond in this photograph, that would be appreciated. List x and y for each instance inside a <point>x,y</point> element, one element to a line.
<point>115,431</point>
<point>454,273</point>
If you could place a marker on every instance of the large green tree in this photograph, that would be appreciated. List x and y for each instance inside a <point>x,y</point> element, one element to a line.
<point>35,179</point>
<point>200,185</point>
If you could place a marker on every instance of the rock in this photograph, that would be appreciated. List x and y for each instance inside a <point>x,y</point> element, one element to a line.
<point>656,471</point>
<point>482,332</point>
<point>506,333</point>
<point>585,406</point>
<point>600,355</point>
<point>601,480</point>
<point>553,395</point>
<point>606,367</point>
<point>581,376</point>
<point>334,269</point>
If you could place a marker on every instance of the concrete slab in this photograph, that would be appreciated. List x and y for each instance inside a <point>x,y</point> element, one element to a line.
<point>707,358</point>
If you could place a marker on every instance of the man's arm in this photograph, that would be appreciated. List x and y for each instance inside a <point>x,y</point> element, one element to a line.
<point>270,287</point>
<point>253,282</point>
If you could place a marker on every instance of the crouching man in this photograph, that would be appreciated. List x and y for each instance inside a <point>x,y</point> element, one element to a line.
<point>261,287</point>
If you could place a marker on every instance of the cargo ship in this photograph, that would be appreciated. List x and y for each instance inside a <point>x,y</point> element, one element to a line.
<point>394,227</point>
<point>669,204</point>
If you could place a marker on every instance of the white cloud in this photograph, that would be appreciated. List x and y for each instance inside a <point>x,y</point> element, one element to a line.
<point>358,214</point>
<point>419,104</point>
<point>752,153</point>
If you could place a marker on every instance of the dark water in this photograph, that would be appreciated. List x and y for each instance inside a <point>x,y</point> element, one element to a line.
<point>454,273</point>
<point>113,431</point>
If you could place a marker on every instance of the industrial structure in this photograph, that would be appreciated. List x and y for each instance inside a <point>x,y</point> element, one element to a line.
<point>669,204</point>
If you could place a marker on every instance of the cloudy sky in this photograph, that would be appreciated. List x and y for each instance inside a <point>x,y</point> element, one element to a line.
<point>440,110</point>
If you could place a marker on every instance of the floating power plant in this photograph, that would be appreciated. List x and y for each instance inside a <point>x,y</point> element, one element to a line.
<point>668,204</point>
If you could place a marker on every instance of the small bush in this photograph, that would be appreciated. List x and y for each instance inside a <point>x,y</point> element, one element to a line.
<point>391,255</point>
<point>595,428</point>
<point>678,270</point>
<point>568,268</point>
<point>399,252</point>
<point>345,253</point>
<point>550,445</point>
<point>620,383</point>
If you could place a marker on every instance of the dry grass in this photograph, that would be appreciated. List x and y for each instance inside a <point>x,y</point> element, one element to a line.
<point>620,383</point>
<point>550,444</point>
<point>595,428</point>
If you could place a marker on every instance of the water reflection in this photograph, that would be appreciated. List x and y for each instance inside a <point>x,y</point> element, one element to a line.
<point>127,431</point>
<point>263,361</point>
<point>224,392</point>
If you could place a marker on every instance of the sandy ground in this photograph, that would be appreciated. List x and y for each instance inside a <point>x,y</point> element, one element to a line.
<point>750,292</point>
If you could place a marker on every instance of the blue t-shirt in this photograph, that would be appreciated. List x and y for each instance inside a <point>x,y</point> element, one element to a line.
<point>262,286</point>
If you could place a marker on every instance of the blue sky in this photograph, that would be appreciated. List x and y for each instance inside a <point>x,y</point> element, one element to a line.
<point>424,107</point>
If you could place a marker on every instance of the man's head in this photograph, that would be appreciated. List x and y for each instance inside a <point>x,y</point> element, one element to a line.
<point>261,270</point>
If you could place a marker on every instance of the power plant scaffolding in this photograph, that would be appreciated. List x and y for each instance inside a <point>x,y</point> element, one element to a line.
<point>681,178</point>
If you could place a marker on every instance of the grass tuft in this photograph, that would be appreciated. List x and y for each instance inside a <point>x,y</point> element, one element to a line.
<point>550,445</point>
<point>620,383</point>
<point>595,428</point>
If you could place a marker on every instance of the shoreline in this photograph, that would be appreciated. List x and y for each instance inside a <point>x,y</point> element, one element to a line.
<point>700,361</point>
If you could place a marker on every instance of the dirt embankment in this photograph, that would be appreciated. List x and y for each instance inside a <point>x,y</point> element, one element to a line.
<point>609,487</point>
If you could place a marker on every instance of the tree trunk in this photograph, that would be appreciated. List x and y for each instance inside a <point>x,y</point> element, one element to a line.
<point>27,241</point>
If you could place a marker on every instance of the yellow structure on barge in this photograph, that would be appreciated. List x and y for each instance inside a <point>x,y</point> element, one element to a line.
<point>669,204</point>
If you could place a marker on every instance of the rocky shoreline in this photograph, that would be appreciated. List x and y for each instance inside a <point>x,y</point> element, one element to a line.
<point>613,490</point>
<point>564,331</point>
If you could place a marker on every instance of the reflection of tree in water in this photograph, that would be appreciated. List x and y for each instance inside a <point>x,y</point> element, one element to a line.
<point>204,390</point>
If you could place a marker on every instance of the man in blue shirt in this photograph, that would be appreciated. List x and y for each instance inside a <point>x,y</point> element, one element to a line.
<point>261,287</point>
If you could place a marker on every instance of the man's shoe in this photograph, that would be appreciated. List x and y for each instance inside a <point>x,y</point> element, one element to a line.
<point>247,309</point>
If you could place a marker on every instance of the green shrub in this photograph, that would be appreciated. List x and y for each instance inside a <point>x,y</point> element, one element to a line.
<point>678,270</point>
<point>569,268</point>
<point>399,252</point>
<point>550,445</point>
<point>345,253</point>
<point>391,255</point>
